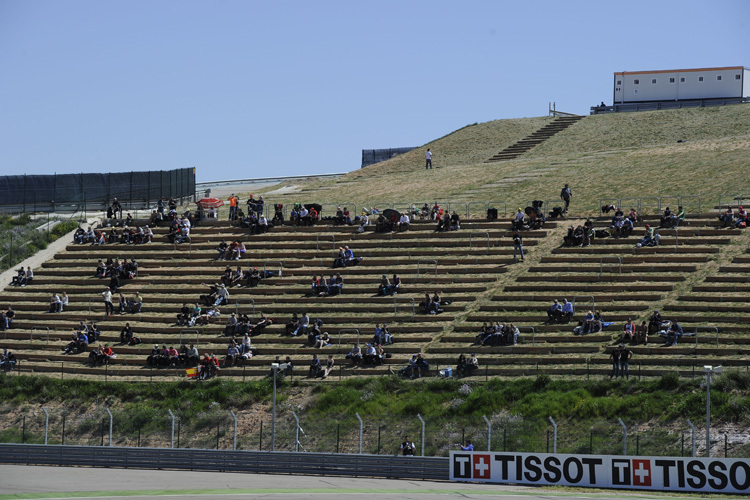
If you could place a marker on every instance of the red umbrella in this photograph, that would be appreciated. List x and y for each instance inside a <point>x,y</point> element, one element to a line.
<point>209,203</point>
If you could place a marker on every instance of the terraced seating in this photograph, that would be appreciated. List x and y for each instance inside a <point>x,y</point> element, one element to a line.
<point>458,264</point>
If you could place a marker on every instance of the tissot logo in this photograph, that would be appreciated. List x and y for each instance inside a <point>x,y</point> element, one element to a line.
<point>481,467</point>
<point>461,466</point>
<point>641,472</point>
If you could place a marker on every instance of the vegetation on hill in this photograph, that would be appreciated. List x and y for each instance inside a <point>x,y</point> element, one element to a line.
<point>448,405</point>
<point>19,237</point>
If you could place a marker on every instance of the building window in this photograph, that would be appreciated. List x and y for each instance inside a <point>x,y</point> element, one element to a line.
<point>737,77</point>
<point>682,79</point>
<point>619,82</point>
<point>636,82</point>
<point>718,78</point>
<point>671,80</point>
<point>700,78</point>
<point>653,80</point>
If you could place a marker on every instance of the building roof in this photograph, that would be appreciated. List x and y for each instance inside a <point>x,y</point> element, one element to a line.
<point>623,73</point>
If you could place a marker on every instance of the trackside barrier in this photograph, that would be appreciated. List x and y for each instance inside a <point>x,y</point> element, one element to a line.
<point>419,468</point>
<point>644,473</point>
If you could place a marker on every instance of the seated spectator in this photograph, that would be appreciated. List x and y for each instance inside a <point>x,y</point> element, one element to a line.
<point>382,335</point>
<point>655,323</point>
<point>8,360</point>
<point>633,216</point>
<point>727,217</point>
<point>455,222</point>
<point>126,334</point>
<point>192,357</point>
<point>364,221</point>
<point>382,225</point>
<point>554,313</point>
<point>322,340</point>
<point>20,278</point>
<point>404,222</point>
<point>567,311</point>
<point>666,219</point>
<point>395,284</point>
<point>466,365</point>
<point>329,366</point>
<point>673,334</point>
<point>650,238</point>
<point>252,278</point>
<point>55,304</point>
<point>443,222</point>
<point>345,258</point>
<point>136,303</point>
<point>516,223</point>
<point>301,329</point>
<point>205,318</point>
<point>589,323</point>
<point>335,285</point>
<point>232,354</point>
<point>385,286</point>
<point>105,355</point>
<point>315,367</point>
<point>293,324</point>
<point>641,333</point>
<point>740,221</point>
<point>416,368</point>
<point>370,355</point>
<point>628,331</point>
<point>355,354</point>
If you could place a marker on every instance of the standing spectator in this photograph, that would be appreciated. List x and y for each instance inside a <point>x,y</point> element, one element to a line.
<point>517,244</point>
<point>565,195</point>
<point>428,159</point>
<point>109,308</point>
<point>468,446</point>
<point>625,355</point>
<point>116,207</point>
<point>407,447</point>
<point>233,201</point>
<point>614,356</point>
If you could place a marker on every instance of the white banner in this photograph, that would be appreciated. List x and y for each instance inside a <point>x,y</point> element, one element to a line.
<point>712,475</point>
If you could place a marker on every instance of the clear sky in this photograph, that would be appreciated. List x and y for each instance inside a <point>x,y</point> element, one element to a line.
<point>245,89</point>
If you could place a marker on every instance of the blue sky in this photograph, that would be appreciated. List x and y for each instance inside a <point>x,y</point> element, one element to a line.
<point>244,89</point>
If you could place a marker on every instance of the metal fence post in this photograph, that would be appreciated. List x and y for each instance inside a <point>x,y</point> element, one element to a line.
<point>361,426</point>
<point>296,433</point>
<point>489,431</point>
<point>624,436</point>
<point>554,438</point>
<point>110,426</point>
<point>693,429</point>
<point>171,442</point>
<point>46,423</point>
<point>422,421</point>
<point>234,441</point>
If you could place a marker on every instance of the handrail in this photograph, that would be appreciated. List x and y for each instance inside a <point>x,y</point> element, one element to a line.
<point>636,204</point>
<point>700,202</point>
<point>31,338</point>
<point>468,208</point>
<point>732,197</point>
<point>197,333</point>
<point>317,240</point>
<point>593,303</point>
<point>465,205</point>
<point>533,332</point>
<point>237,306</point>
<point>709,328</point>
<point>395,306</point>
<point>190,246</point>
<point>280,263</point>
<point>505,205</point>
<point>601,265</point>
<point>642,209</point>
<point>348,330</point>
<point>426,261</point>
<point>675,198</point>
<point>487,234</point>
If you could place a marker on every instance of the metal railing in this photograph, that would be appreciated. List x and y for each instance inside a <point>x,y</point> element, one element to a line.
<point>237,305</point>
<point>34,328</point>
<point>404,299</point>
<point>331,236</point>
<point>589,297</point>
<point>280,263</point>
<point>348,330</point>
<point>601,265</point>
<point>486,234</point>
<point>427,261</point>
<point>196,332</point>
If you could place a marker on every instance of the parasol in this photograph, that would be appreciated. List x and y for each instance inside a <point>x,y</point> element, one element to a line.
<point>209,203</point>
<point>389,214</point>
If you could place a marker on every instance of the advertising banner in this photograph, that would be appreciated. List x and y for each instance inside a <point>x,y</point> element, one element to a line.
<point>690,475</point>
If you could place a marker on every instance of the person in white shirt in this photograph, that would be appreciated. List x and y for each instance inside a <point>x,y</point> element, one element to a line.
<point>428,159</point>
<point>109,308</point>
<point>403,223</point>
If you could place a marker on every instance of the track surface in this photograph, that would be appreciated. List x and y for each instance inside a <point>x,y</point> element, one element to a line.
<point>31,482</point>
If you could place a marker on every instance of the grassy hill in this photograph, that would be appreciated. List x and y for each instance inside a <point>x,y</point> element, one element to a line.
<point>623,155</point>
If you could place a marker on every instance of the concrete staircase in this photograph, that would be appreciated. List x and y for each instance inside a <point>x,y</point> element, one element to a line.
<point>533,140</point>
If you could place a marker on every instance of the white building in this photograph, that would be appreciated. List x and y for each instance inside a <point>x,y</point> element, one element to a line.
<point>681,84</point>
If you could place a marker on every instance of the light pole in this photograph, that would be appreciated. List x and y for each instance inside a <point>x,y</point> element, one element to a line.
<point>709,371</point>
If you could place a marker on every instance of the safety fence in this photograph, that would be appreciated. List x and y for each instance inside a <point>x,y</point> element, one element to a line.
<point>67,192</point>
<point>298,430</point>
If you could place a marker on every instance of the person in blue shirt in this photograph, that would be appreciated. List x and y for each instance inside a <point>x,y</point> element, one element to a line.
<point>468,446</point>
<point>567,311</point>
<point>674,333</point>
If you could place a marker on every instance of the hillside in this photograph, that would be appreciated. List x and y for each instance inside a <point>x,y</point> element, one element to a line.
<point>622,155</point>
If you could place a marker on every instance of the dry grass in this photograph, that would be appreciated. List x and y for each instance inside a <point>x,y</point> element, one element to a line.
<point>624,155</point>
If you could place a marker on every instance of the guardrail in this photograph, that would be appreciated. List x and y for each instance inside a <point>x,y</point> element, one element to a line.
<point>420,468</point>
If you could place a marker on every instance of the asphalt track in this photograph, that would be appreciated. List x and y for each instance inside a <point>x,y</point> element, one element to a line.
<point>31,482</point>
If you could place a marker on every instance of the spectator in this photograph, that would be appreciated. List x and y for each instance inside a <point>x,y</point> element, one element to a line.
<point>315,367</point>
<point>466,365</point>
<point>614,356</point>
<point>517,245</point>
<point>404,222</point>
<point>554,313</point>
<point>674,333</point>
<point>233,201</point>
<point>565,195</point>
<point>468,446</point>
<point>641,333</point>
<point>55,304</point>
<point>740,222</point>
<point>136,304</point>
<point>407,447</point>
<point>567,311</point>
<point>303,323</point>
<point>126,334</point>
<point>625,355</point>
<point>20,278</point>
<point>428,159</point>
<point>8,360</point>
<point>370,355</point>
<point>323,340</point>
<point>329,366</point>
<point>355,354</point>
<point>628,331</point>
<point>384,288</point>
